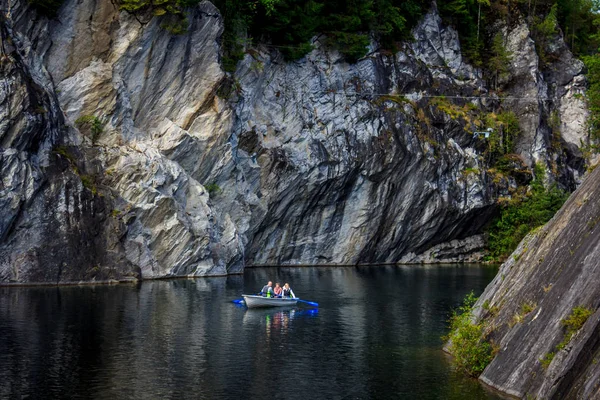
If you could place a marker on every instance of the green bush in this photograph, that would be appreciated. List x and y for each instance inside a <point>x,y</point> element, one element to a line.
<point>66,153</point>
<point>506,131</point>
<point>173,12</point>
<point>471,351</point>
<point>527,307</point>
<point>89,183</point>
<point>523,214</point>
<point>157,7</point>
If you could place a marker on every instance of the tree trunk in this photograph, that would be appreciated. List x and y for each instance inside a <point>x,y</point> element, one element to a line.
<point>478,21</point>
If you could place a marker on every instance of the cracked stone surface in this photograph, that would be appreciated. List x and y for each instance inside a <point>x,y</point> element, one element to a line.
<point>199,172</point>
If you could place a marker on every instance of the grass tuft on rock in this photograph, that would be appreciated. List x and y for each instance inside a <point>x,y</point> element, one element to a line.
<point>573,323</point>
<point>547,360</point>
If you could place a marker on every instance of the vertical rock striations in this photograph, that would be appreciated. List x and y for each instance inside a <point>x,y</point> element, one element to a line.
<point>129,201</point>
<point>54,227</point>
<point>369,162</point>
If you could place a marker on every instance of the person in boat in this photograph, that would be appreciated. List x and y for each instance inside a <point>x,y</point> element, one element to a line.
<point>267,290</point>
<point>287,291</point>
<point>278,290</point>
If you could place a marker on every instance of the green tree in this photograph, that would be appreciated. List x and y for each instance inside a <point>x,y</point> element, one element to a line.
<point>579,21</point>
<point>499,60</point>
<point>464,16</point>
<point>479,3</point>
<point>593,94</point>
<point>290,26</point>
<point>543,31</point>
<point>521,215</point>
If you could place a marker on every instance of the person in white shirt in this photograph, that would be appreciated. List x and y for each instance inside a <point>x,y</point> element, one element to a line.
<point>287,291</point>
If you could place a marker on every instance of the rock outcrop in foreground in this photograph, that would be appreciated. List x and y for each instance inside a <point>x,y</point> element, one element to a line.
<point>554,270</point>
<point>197,172</point>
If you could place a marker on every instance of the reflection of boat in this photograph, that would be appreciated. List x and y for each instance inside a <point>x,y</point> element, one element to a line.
<point>253,301</point>
<point>276,320</point>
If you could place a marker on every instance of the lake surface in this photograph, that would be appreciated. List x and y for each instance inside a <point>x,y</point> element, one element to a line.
<point>375,335</point>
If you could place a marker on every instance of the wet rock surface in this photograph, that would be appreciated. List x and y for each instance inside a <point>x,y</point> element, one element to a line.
<point>312,161</point>
<point>554,270</point>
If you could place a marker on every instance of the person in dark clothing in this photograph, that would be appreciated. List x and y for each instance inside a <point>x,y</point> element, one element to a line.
<point>267,290</point>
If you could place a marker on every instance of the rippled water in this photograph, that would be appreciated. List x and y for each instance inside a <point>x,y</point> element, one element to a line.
<point>376,335</point>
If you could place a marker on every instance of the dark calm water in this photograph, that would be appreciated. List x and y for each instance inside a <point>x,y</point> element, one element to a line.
<point>376,335</point>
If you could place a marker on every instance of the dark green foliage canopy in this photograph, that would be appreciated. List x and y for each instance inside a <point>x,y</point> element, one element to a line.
<point>593,94</point>
<point>289,25</point>
<point>471,350</point>
<point>349,25</point>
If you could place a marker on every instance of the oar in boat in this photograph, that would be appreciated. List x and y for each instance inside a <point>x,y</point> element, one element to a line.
<point>241,301</point>
<point>310,303</point>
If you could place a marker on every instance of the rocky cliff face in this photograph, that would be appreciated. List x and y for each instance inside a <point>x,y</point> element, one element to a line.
<point>52,229</point>
<point>132,201</point>
<point>553,271</point>
<point>314,161</point>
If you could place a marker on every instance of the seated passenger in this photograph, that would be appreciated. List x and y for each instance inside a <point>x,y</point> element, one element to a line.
<point>277,290</point>
<point>287,291</point>
<point>267,290</point>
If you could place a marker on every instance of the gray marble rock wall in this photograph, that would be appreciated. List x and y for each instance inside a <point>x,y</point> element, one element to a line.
<point>146,210</point>
<point>311,161</point>
<point>53,229</point>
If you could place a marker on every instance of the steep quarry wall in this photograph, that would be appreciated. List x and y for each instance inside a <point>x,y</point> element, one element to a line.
<point>553,271</point>
<point>52,228</point>
<point>312,161</point>
<point>154,214</point>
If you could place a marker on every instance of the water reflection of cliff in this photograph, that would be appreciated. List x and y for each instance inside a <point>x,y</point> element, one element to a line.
<point>185,339</point>
<point>147,339</point>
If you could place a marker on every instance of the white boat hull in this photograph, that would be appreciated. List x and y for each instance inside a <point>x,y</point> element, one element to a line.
<point>253,301</point>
